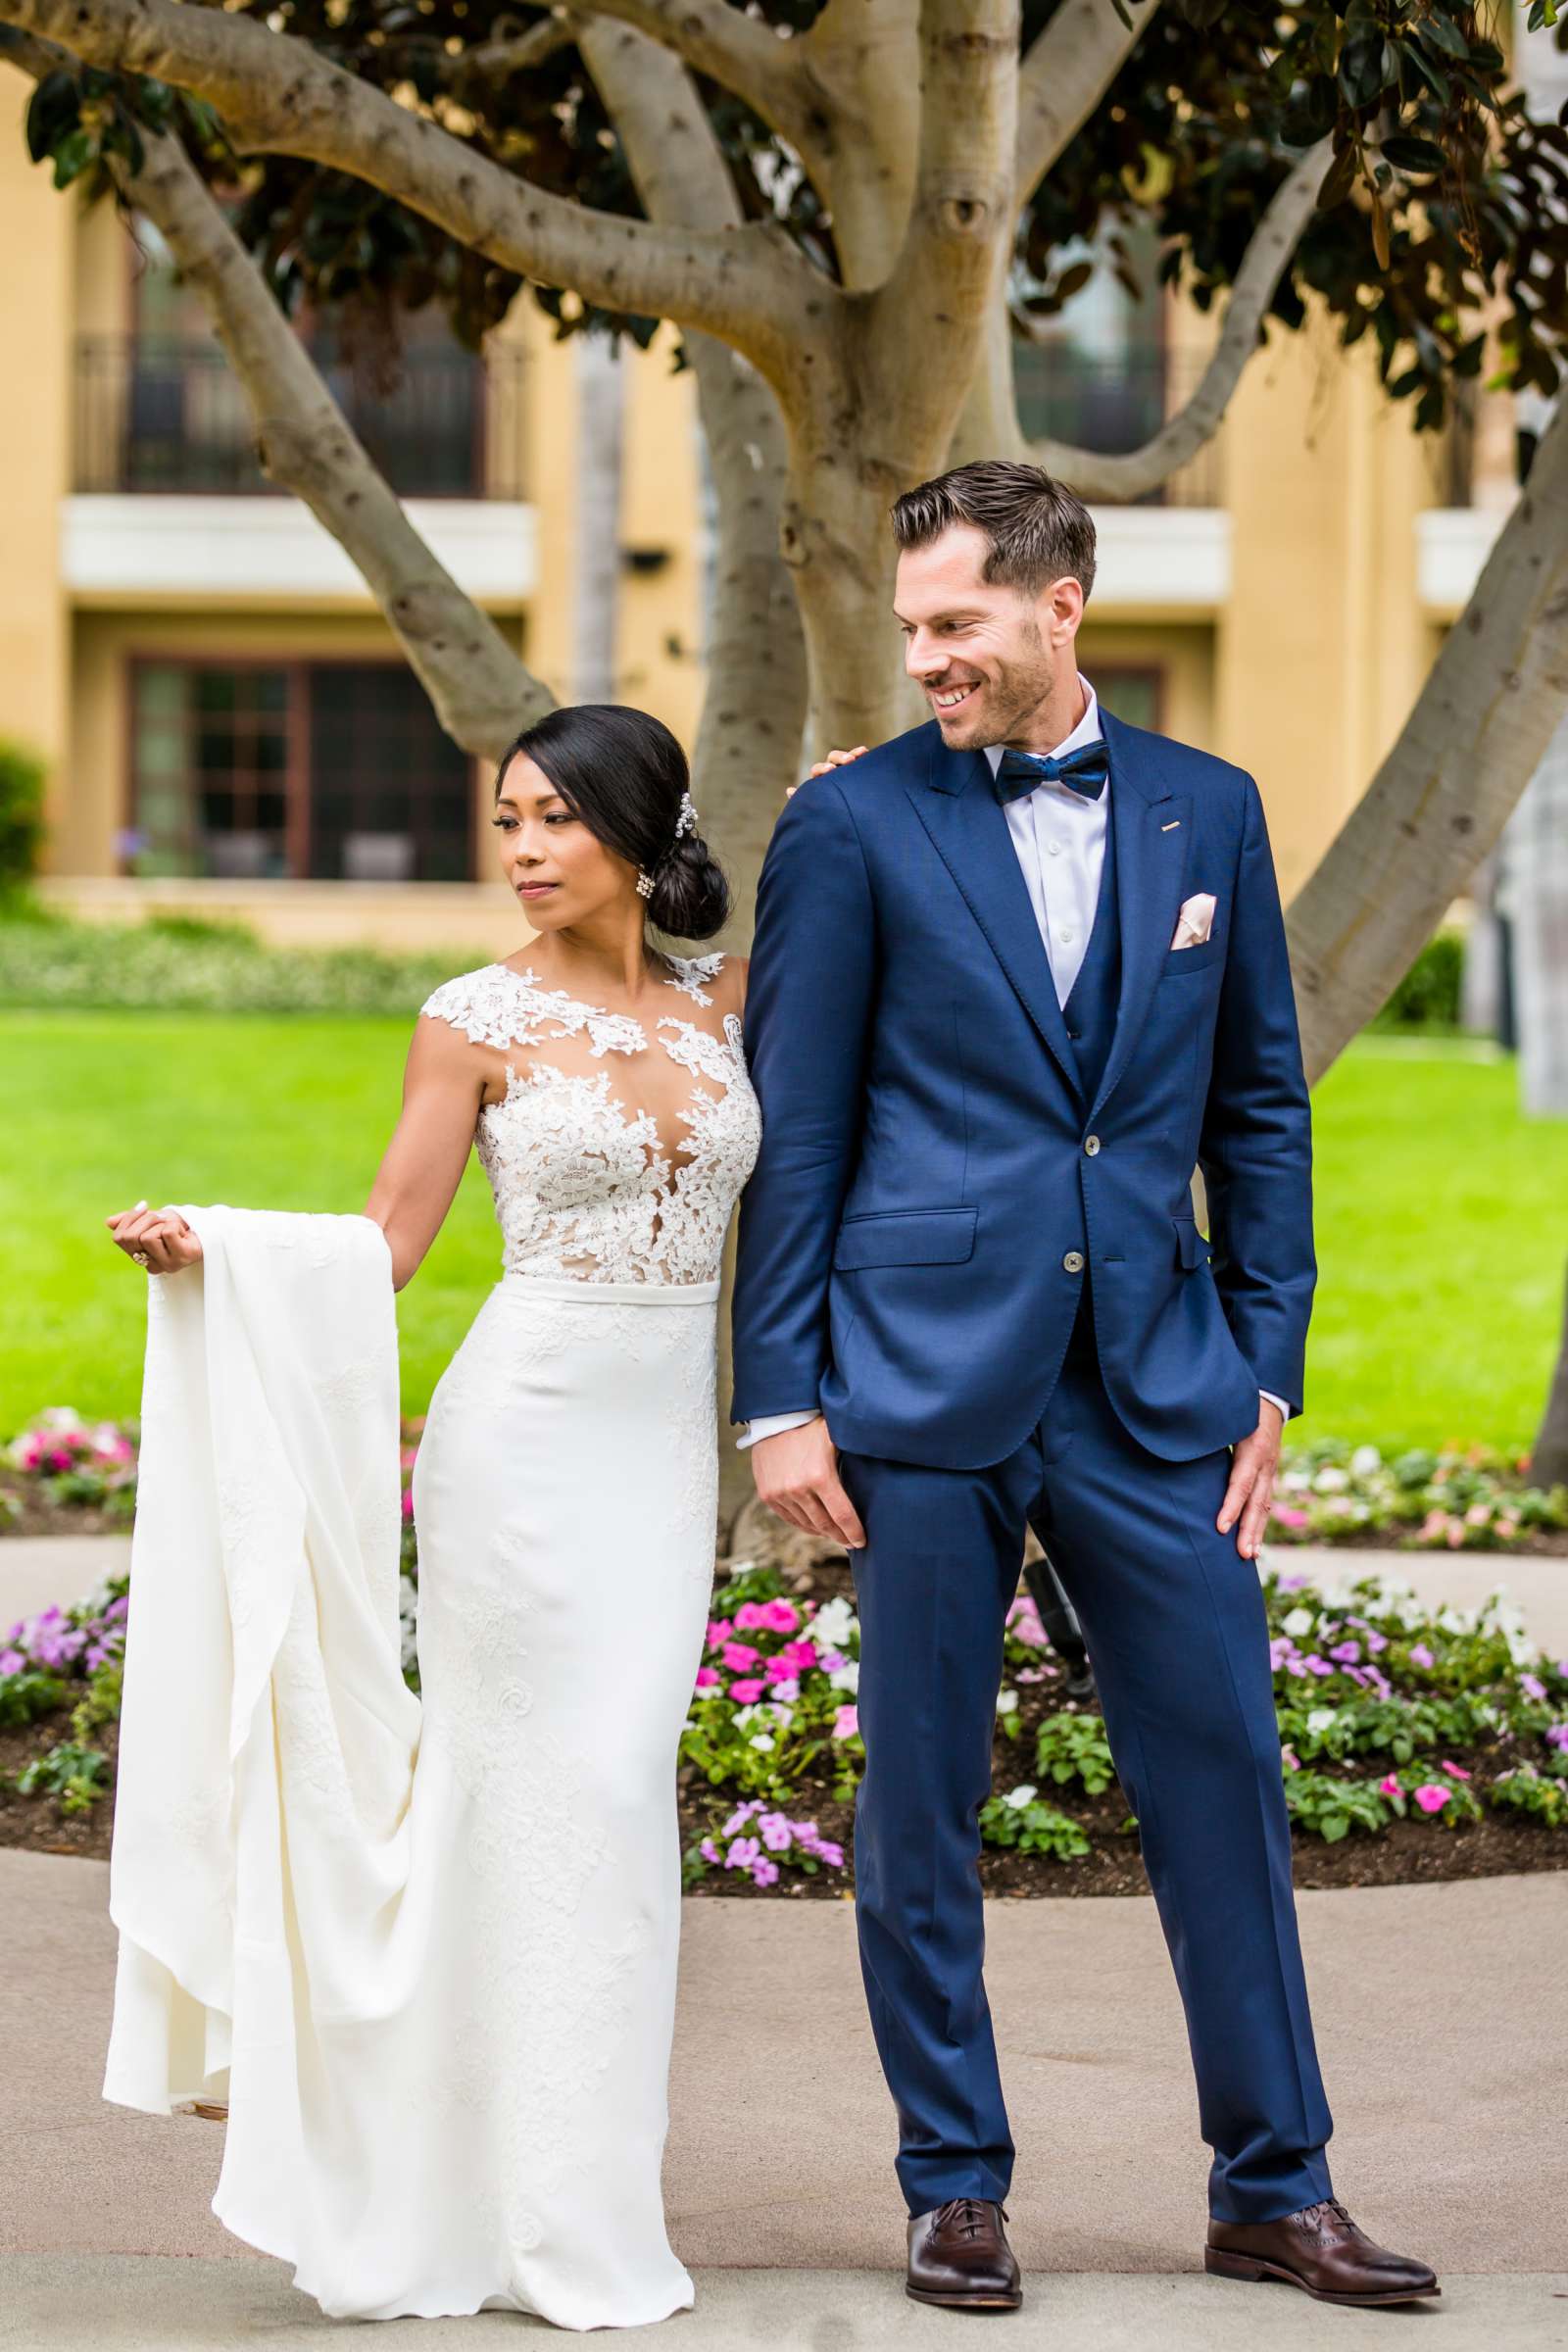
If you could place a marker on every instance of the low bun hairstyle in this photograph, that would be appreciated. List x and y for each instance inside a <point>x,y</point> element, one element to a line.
<point>623,773</point>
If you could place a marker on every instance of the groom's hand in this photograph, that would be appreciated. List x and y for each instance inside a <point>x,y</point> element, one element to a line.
<point>796,1475</point>
<point>1250,1490</point>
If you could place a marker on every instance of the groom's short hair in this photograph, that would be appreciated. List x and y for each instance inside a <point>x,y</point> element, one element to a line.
<point>1037,531</point>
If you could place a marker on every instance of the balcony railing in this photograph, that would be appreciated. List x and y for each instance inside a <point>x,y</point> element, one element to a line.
<point>157,414</point>
<point>1114,406</point>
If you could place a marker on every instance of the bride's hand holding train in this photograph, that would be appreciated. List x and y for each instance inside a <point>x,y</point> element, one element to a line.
<point>158,1239</point>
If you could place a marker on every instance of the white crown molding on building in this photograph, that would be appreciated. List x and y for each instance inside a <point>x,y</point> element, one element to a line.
<point>1453,543</point>
<point>1154,560</point>
<point>157,547</point>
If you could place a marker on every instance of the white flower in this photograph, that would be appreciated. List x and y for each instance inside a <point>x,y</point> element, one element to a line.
<point>1023,1794</point>
<point>789,1690</point>
<point>1331,1479</point>
<point>1006,1701</point>
<point>834,1626</point>
<point>765,1742</point>
<point>1298,1623</point>
<point>1296,1482</point>
<point>744,1716</point>
<point>846,1677</point>
<point>782,1716</point>
<point>1365,1460</point>
<point>1320,1719</point>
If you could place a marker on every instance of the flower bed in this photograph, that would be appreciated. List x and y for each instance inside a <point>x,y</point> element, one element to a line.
<point>1415,1742</point>
<point>61,1471</point>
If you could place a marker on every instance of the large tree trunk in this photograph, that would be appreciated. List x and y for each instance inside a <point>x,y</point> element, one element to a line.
<point>1549,1460</point>
<point>600,440</point>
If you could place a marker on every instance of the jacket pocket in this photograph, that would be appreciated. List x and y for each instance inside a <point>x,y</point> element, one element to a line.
<point>905,1236</point>
<point>1191,1247</point>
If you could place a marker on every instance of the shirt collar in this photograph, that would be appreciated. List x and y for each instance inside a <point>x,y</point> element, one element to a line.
<point>1086,731</point>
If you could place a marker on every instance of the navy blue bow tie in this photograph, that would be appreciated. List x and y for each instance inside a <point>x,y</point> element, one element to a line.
<point>1085,769</point>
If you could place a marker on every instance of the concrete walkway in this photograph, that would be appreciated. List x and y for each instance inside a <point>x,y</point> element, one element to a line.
<point>1440,2014</point>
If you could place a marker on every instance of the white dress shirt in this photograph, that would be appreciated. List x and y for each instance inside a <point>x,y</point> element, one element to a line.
<point>1059,836</point>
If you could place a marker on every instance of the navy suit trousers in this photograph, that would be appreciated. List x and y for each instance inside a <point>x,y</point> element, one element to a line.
<point>1174,1619</point>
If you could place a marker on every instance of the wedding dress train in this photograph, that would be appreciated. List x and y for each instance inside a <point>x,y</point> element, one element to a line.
<point>427,1948</point>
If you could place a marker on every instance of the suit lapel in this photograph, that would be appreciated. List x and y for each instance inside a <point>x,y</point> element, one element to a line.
<point>1153,829</point>
<point>961,812</point>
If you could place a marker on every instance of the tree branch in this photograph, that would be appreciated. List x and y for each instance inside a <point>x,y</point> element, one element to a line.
<point>1274,240</point>
<point>1476,735</point>
<point>1065,74</point>
<point>276,94</point>
<point>494,61</point>
<point>480,691</point>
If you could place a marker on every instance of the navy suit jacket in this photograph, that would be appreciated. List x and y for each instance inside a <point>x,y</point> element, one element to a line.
<point>926,1208</point>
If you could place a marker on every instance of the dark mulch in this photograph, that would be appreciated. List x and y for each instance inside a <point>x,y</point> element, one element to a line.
<point>1407,1852</point>
<point>51,1519</point>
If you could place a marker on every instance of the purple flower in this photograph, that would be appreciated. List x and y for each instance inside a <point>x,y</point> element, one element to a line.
<point>1420,1655</point>
<point>743,1852</point>
<point>1556,1732</point>
<point>1293,1583</point>
<point>709,1851</point>
<point>1316,1665</point>
<point>1532,1686</point>
<point>12,1661</point>
<point>764,1872</point>
<point>776,1831</point>
<point>1347,1652</point>
<point>741,1815</point>
<point>1378,1681</point>
<point>833,1855</point>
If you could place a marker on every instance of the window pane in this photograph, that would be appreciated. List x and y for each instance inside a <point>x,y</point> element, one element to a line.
<point>389,792</point>
<point>195,772</point>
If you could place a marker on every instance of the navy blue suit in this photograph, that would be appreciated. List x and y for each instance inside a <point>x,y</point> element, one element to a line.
<point>970,1239</point>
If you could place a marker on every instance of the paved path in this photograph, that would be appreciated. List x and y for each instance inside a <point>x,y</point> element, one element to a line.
<point>1439,2016</point>
<point>116,2303</point>
<point>35,1570</point>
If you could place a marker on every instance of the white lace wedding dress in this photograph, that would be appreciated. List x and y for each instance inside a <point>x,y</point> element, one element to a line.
<point>427,1949</point>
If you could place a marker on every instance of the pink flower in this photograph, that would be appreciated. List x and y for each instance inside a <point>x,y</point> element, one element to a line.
<point>1420,1655</point>
<point>1289,1516</point>
<point>738,1655</point>
<point>747,1694</point>
<point>719,1630</point>
<point>847,1723</point>
<point>832,1660</point>
<point>1388,1786</point>
<point>764,1872</point>
<point>743,1852</point>
<point>1458,1770</point>
<point>1532,1686</point>
<point>1346,1652</point>
<point>1289,1759</point>
<point>802,1655</point>
<point>408,1503</point>
<point>1316,1665</point>
<point>780,1616</point>
<point>778,1670</point>
<point>788,1689</point>
<point>12,1661</point>
<point>776,1831</point>
<point>751,1617</point>
<point>707,1676</point>
<point>709,1851</point>
<point>826,1852</point>
<point>739,1818</point>
<point>1375,1641</point>
<point>1455,1533</point>
<point>1432,1799</point>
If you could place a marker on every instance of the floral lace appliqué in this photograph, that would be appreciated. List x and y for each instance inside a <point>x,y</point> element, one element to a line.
<point>585,1186</point>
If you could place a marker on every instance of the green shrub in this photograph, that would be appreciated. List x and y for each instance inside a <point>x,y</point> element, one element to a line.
<point>21,783</point>
<point>1427,996</point>
<point>178,962</point>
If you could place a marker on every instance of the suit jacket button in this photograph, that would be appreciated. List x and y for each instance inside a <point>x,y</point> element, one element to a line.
<point>1073,1262</point>
<point>1092,1145</point>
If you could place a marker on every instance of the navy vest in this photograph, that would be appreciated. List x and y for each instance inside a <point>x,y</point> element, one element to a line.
<point>1090,1012</point>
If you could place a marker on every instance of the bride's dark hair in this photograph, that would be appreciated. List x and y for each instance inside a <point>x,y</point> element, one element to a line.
<point>623,773</point>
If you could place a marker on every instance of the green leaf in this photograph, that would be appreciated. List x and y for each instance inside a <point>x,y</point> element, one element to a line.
<point>73,156</point>
<point>1440,32</point>
<point>51,112</point>
<point>1410,154</point>
<point>1338,180</point>
<point>1332,1827</point>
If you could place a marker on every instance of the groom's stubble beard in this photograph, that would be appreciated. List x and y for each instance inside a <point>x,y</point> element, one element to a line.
<point>1010,703</point>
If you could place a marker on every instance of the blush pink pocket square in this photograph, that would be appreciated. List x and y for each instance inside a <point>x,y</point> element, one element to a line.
<point>1194,921</point>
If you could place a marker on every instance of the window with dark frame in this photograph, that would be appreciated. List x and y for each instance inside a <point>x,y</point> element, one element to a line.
<point>327,771</point>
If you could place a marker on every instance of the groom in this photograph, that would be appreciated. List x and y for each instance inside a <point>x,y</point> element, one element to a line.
<point>1014,974</point>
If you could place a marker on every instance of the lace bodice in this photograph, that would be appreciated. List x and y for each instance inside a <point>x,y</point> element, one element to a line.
<point>587,1181</point>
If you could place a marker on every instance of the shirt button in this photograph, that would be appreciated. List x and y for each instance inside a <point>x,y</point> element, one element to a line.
<point>1073,1262</point>
<point>1092,1144</point>
<point>1066,937</point>
<point>1053,847</point>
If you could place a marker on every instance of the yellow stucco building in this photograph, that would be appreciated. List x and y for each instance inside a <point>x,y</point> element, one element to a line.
<point>226,717</point>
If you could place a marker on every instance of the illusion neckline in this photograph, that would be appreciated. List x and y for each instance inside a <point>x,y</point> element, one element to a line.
<point>531,979</point>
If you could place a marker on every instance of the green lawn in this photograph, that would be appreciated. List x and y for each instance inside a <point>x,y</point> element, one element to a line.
<point>1443,1215</point>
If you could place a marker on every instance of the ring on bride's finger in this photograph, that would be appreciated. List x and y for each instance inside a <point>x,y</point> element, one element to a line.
<point>139,1257</point>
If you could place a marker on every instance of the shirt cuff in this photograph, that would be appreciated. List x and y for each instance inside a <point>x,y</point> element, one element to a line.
<point>771,1425</point>
<point>1285,1411</point>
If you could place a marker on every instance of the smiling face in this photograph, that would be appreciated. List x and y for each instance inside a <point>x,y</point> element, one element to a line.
<point>997,665</point>
<point>561,872</point>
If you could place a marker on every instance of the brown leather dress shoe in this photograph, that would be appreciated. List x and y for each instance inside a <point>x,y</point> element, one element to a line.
<point>959,2257</point>
<point>1320,2250</point>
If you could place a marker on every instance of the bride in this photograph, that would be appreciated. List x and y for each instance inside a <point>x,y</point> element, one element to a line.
<point>425,1949</point>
